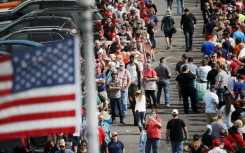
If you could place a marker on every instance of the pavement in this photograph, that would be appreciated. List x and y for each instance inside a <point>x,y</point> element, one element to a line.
<point>195,123</point>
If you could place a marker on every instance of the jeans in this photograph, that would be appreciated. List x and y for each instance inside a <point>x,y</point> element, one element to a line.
<point>114,102</point>
<point>151,94</point>
<point>188,40</point>
<point>153,41</point>
<point>180,3</point>
<point>169,4</point>
<point>177,146</point>
<point>140,118</point>
<point>154,142</point>
<point>165,86</point>
<point>220,94</point>
<point>192,93</point>
<point>124,102</point>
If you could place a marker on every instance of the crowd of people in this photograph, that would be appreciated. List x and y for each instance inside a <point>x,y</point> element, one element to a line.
<point>124,49</point>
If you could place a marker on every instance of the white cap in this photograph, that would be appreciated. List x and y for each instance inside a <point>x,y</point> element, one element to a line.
<point>62,142</point>
<point>175,112</point>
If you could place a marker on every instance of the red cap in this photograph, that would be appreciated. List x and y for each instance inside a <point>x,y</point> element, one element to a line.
<point>242,77</point>
<point>142,2</point>
<point>147,19</point>
<point>209,37</point>
<point>115,20</point>
<point>98,23</point>
<point>216,142</point>
<point>120,6</point>
<point>118,45</point>
<point>223,7</point>
<point>108,14</point>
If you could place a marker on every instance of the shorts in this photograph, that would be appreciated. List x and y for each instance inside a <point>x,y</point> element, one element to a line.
<point>103,94</point>
<point>168,34</point>
<point>211,117</point>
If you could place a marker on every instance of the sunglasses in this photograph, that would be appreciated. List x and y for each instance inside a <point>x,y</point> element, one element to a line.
<point>134,48</point>
<point>138,23</point>
<point>114,135</point>
<point>84,145</point>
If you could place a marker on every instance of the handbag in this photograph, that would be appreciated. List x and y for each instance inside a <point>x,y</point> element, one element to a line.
<point>173,29</point>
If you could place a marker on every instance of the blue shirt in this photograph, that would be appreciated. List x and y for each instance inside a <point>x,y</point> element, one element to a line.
<point>208,48</point>
<point>115,147</point>
<point>238,34</point>
<point>66,151</point>
<point>106,127</point>
<point>101,87</point>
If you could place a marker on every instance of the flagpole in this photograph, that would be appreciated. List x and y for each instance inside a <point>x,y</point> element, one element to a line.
<point>86,26</point>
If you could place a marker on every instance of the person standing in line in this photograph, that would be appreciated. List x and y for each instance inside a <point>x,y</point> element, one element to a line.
<point>180,3</point>
<point>153,129</point>
<point>174,132</point>
<point>221,81</point>
<point>116,146</point>
<point>163,74</point>
<point>210,104</point>
<point>185,81</point>
<point>149,81</point>
<point>124,77</point>
<point>133,68</point>
<point>188,22</point>
<point>167,23</point>
<point>178,71</point>
<point>115,94</point>
<point>106,127</point>
<point>140,109</point>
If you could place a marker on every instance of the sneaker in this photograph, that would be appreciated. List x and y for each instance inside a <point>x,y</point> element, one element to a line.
<point>167,105</point>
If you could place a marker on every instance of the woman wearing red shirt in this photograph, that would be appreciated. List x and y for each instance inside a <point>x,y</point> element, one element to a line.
<point>154,130</point>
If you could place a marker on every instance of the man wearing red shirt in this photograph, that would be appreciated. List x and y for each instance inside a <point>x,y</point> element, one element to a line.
<point>149,81</point>
<point>143,7</point>
<point>235,63</point>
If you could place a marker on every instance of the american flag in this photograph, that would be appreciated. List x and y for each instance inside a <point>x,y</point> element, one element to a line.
<point>40,91</point>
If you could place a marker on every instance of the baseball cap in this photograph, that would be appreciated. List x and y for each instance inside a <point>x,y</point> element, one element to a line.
<point>142,2</point>
<point>147,19</point>
<point>184,56</point>
<point>114,133</point>
<point>120,5</point>
<point>226,22</point>
<point>216,142</point>
<point>62,142</point>
<point>121,63</point>
<point>214,55</point>
<point>242,77</point>
<point>209,127</point>
<point>232,55</point>
<point>112,64</point>
<point>175,112</point>
<point>196,137</point>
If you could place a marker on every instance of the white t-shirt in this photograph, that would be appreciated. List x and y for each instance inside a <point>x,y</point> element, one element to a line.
<point>217,150</point>
<point>140,105</point>
<point>203,72</point>
<point>209,99</point>
<point>227,117</point>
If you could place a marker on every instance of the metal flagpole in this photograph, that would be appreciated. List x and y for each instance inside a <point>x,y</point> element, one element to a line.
<point>87,37</point>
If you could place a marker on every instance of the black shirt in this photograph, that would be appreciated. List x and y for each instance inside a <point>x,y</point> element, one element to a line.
<point>186,80</point>
<point>211,76</point>
<point>207,139</point>
<point>149,29</point>
<point>188,22</point>
<point>238,113</point>
<point>179,65</point>
<point>206,15</point>
<point>176,129</point>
